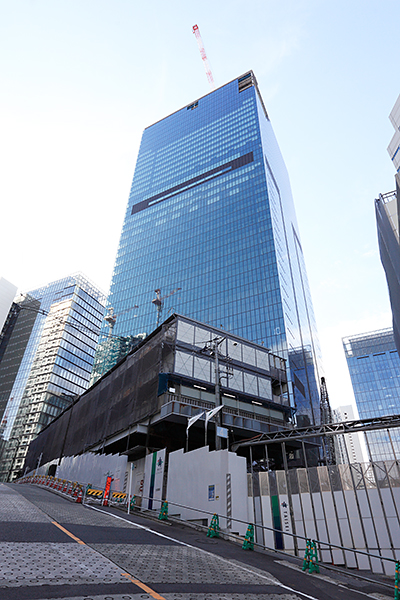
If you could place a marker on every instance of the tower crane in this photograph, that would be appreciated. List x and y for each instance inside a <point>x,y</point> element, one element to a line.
<point>203,55</point>
<point>159,301</point>
<point>327,419</point>
<point>111,317</point>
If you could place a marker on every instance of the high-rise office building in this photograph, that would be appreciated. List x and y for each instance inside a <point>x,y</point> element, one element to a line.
<point>374,367</point>
<point>348,446</point>
<point>394,146</point>
<point>46,357</point>
<point>387,217</point>
<point>211,226</point>
<point>7,294</point>
<point>14,338</point>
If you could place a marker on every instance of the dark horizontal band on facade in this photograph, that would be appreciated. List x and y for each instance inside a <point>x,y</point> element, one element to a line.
<point>195,181</point>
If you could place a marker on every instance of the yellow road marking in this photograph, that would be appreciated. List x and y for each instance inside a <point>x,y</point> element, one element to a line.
<point>71,535</point>
<point>143,586</point>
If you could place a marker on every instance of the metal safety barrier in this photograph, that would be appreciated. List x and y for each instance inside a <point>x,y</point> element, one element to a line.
<point>82,492</point>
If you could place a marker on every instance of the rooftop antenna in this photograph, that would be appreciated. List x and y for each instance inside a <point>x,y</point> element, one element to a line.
<point>203,54</point>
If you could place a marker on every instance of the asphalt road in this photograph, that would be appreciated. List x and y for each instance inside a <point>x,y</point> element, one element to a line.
<point>51,548</point>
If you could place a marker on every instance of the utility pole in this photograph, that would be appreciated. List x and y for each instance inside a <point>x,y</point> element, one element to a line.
<point>216,342</point>
<point>212,350</point>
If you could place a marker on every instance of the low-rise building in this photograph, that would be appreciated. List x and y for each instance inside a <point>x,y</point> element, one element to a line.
<point>146,400</point>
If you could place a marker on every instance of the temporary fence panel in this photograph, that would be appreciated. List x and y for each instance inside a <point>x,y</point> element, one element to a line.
<point>153,479</point>
<point>284,507</point>
<point>93,468</point>
<point>266,509</point>
<point>198,479</point>
<point>250,503</point>
<point>354,506</point>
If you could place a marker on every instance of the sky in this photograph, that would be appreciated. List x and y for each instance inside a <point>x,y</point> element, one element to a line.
<point>81,79</point>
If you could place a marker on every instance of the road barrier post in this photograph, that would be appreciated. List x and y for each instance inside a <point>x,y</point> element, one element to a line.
<point>213,530</point>
<point>163,516</point>
<point>248,543</point>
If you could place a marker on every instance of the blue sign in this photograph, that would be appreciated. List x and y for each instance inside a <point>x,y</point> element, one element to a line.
<point>211,492</point>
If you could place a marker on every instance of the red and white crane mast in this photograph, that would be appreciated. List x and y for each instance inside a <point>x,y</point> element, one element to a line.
<point>203,55</point>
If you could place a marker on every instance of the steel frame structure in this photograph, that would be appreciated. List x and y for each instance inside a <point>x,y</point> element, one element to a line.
<point>330,429</point>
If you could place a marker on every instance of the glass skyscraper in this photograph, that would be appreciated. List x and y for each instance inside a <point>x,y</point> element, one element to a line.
<point>374,367</point>
<point>46,357</point>
<point>387,210</point>
<point>210,224</point>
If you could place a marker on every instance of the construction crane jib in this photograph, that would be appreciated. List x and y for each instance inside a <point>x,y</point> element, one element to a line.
<point>111,317</point>
<point>203,55</point>
<point>159,301</point>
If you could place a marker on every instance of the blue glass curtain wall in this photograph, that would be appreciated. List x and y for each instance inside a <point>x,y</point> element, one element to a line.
<point>210,212</point>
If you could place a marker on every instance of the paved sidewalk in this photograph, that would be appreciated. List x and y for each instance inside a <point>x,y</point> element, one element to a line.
<point>52,548</point>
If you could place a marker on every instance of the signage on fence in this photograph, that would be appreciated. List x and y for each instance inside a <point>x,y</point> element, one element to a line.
<point>211,492</point>
<point>222,432</point>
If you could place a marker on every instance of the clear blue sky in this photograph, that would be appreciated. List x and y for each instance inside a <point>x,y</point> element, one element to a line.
<point>81,79</point>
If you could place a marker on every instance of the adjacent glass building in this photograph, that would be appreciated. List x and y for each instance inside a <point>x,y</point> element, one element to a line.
<point>374,366</point>
<point>387,212</point>
<point>210,232</point>
<point>7,295</point>
<point>46,357</point>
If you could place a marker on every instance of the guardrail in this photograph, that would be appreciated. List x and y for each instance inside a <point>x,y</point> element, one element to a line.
<point>80,492</point>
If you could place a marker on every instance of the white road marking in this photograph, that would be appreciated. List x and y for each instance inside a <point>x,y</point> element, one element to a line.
<point>167,537</point>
